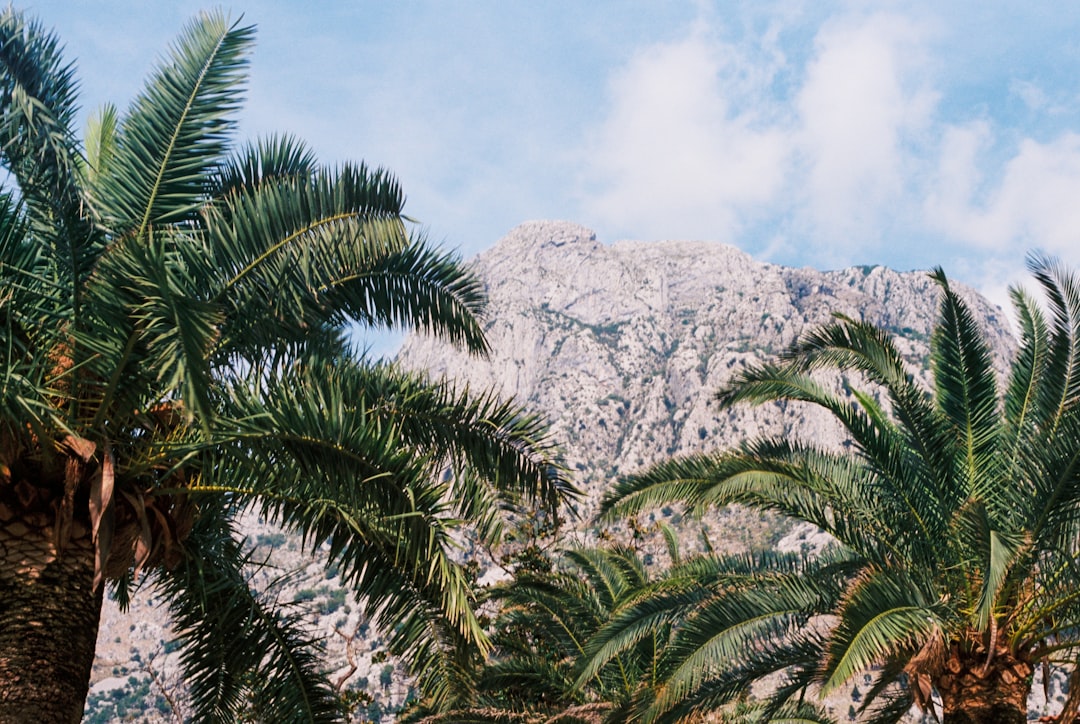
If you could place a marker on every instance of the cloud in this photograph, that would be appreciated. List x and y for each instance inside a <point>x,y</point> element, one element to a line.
<point>704,138</point>
<point>1029,202</point>
<point>863,104</point>
<point>680,153</point>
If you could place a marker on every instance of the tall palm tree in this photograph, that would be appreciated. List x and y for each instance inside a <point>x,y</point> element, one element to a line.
<point>173,320</point>
<point>956,517</point>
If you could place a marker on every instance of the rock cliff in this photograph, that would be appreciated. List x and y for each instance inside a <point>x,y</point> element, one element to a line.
<point>622,345</point>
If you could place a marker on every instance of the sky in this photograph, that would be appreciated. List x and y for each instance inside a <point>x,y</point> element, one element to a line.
<point>807,133</point>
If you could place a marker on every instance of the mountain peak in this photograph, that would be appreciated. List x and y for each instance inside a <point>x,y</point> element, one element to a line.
<point>623,346</point>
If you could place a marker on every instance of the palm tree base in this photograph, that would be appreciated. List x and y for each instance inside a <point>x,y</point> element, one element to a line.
<point>49,617</point>
<point>974,692</point>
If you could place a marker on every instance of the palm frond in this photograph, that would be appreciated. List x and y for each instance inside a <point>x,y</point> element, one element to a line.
<point>884,613</point>
<point>999,557</point>
<point>100,141</point>
<point>327,448</point>
<point>912,491</point>
<point>1061,384</point>
<point>966,391</point>
<point>266,160</point>
<point>504,447</point>
<point>236,646</point>
<point>37,146</point>
<point>177,130</point>
<point>851,345</point>
<point>305,248</point>
<point>148,291</point>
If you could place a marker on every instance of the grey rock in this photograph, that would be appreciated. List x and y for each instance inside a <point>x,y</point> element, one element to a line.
<point>623,346</point>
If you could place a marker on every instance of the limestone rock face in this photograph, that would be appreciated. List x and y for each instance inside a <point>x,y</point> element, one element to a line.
<point>622,346</point>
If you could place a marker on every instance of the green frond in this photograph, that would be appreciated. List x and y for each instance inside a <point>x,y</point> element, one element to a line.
<point>237,646</point>
<point>147,293</point>
<point>481,716</point>
<point>883,614</point>
<point>1055,486</point>
<point>39,150</point>
<point>304,248</point>
<point>721,632</point>
<point>966,390</point>
<point>354,456</point>
<point>267,160</point>
<point>851,345</point>
<point>561,606</point>
<point>611,572</point>
<point>506,449</point>
<point>1061,383</point>
<point>790,713</point>
<point>998,558</point>
<point>100,141</point>
<point>833,492</point>
<point>654,609</point>
<point>673,481</point>
<point>912,490</point>
<point>177,130</point>
<point>1028,367</point>
<point>417,288</point>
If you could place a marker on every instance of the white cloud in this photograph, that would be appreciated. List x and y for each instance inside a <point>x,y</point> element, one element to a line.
<point>1032,204</point>
<point>678,155</point>
<point>703,137</point>
<point>859,109</point>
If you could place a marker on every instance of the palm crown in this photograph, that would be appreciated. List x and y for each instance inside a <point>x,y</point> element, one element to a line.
<point>956,518</point>
<point>174,324</point>
<point>546,628</point>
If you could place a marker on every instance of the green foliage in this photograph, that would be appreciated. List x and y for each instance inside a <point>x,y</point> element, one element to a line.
<point>956,517</point>
<point>129,702</point>
<point>175,322</point>
<point>548,631</point>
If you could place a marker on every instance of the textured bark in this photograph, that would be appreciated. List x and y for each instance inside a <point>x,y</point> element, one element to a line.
<point>49,616</point>
<point>974,693</point>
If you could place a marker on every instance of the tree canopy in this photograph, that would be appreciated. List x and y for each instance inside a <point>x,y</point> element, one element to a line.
<point>955,512</point>
<point>174,320</point>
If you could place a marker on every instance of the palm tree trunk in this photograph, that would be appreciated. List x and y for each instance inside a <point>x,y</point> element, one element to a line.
<point>974,693</point>
<point>48,620</point>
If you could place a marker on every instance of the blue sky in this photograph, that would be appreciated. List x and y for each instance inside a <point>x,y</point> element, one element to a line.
<point>823,134</point>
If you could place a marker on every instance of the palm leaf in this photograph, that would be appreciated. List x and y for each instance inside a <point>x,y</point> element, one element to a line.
<point>237,646</point>
<point>177,130</point>
<point>38,148</point>
<point>1062,380</point>
<point>306,248</point>
<point>966,390</point>
<point>883,614</point>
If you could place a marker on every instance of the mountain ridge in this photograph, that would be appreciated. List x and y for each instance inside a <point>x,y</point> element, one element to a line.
<point>622,346</point>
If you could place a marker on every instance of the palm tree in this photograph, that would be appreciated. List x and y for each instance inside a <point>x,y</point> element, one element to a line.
<point>174,326</point>
<point>548,615</point>
<point>956,519</point>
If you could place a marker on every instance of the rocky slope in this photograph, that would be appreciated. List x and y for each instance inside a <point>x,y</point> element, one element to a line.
<point>622,346</point>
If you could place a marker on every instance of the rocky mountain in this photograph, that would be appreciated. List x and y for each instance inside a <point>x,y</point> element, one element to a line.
<point>622,345</point>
